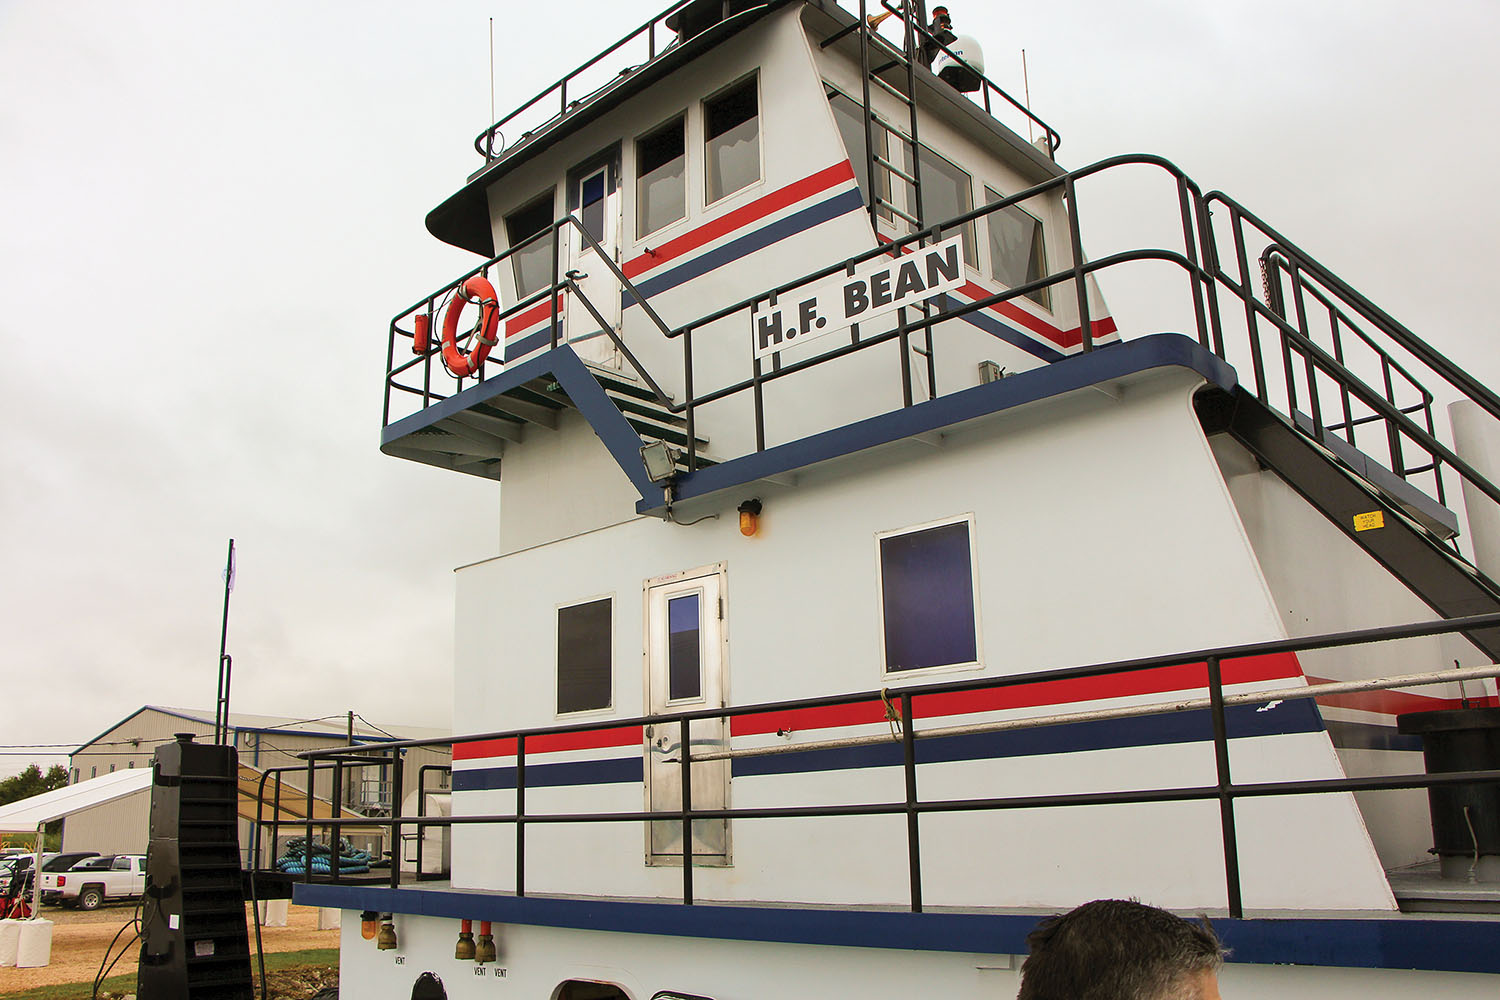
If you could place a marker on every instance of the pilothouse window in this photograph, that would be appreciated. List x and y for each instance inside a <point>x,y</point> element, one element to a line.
<point>731,128</point>
<point>1017,254</point>
<point>661,177</point>
<point>947,191</point>
<point>583,656</point>
<point>850,118</point>
<point>533,265</point>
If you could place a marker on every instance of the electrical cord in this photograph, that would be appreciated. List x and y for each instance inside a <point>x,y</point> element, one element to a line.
<point>103,973</point>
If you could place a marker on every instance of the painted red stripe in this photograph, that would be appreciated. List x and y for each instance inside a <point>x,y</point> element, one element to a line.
<point>1043,693</point>
<point>740,217</point>
<point>1396,702</point>
<point>523,321</point>
<point>594,739</point>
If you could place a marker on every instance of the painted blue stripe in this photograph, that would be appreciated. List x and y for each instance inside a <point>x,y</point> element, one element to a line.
<point>1108,734</point>
<point>987,322</point>
<point>582,772</point>
<point>520,348</point>
<point>1439,944</point>
<point>759,239</point>
<point>1109,361</point>
<point>1369,736</point>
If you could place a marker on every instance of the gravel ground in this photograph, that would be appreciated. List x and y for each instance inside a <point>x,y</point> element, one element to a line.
<point>79,940</point>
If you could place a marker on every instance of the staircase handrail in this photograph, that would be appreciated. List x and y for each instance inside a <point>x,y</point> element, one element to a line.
<point>1387,324</point>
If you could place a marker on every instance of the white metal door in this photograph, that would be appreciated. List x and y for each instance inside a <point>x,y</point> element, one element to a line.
<point>685,667</point>
<point>594,200</point>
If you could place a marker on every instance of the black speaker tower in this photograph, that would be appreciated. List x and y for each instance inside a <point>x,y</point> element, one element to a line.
<point>194,943</point>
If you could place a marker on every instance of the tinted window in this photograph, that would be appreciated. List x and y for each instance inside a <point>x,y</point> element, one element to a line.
<point>121,865</point>
<point>533,265</point>
<point>927,596</point>
<point>1017,254</point>
<point>583,657</point>
<point>731,130</point>
<point>684,647</point>
<point>946,192</point>
<point>661,188</point>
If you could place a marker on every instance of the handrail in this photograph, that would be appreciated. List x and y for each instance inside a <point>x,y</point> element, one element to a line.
<point>1054,139</point>
<point>1225,790</point>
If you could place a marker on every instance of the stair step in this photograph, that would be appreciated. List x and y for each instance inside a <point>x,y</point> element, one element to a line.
<point>648,408</point>
<point>651,430</point>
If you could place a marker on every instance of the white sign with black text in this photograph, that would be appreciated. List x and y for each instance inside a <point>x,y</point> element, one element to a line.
<point>876,287</point>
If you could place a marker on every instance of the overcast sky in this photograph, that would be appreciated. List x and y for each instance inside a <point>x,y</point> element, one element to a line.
<point>208,213</point>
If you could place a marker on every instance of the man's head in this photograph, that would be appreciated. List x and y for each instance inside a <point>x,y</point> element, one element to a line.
<point>1116,949</point>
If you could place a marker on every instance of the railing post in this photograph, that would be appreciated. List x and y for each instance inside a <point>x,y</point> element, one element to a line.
<point>1252,321</point>
<point>687,813</point>
<point>1226,793</point>
<point>397,765</point>
<point>687,388</point>
<point>521,815</point>
<point>276,819</point>
<point>307,842</point>
<point>913,837</point>
<point>336,796</point>
<point>1085,327</point>
<point>556,249</point>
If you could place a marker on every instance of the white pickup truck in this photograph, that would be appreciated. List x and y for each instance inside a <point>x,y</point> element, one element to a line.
<point>89,884</point>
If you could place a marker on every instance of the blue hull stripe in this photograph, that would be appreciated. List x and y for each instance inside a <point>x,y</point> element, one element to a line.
<point>987,322</point>
<point>1154,730</point>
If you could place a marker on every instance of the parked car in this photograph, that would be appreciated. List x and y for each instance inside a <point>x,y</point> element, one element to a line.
<point>95,881</point>
<point>54,863</point>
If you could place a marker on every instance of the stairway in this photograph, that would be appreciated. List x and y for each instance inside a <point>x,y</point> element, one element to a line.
<point>1341,484</point>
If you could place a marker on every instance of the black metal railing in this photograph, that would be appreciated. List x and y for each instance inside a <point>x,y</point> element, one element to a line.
<point>1225,791</point>
<point>1312,378</point>
<point>653,39</point>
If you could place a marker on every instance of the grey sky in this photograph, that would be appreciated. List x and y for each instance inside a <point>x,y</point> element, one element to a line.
<point>208,213</point>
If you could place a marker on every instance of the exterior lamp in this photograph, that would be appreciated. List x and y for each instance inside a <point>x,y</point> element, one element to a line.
<point>750,517</point>
<point>660,461</point>
<point>369,924</point>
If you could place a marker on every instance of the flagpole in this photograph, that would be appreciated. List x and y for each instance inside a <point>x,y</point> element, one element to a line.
<point>221,699</point>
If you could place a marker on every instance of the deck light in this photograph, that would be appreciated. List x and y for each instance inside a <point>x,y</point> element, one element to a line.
<point>386,940</point>
<point>464,950</point>
<point>369,923</point>
<point>660,461</point>
<point>750,517</point>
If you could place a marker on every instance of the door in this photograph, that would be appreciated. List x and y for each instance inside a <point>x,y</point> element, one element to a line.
<point>594,200</point>
<point>685,671</point>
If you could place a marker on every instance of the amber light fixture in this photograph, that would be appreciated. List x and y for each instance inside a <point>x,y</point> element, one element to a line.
<point>750,517</point>
<point>369,924</point>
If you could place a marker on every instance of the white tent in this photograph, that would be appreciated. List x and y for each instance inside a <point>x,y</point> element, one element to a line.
<point>30,815</point>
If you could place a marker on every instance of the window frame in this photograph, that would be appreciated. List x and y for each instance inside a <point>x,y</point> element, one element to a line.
<point>1041,229</point>
<point>969,228</point>
<point>638,235</point>
<point>550,196</point>
<point>581,713</point>
<point>883,132</point>
<point>760,138</point>
<point>977,663</point>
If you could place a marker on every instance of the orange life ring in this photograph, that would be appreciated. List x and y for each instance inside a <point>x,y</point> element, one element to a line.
<point>476,289</point>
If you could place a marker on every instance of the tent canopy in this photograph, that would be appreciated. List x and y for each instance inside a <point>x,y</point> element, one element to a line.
<point>28,814</point>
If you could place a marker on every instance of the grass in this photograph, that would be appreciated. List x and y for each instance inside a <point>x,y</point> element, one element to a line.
<point>126,983</point>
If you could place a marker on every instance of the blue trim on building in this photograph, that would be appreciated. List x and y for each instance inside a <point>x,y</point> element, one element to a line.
<point>583,390</point>
<point>759,239</point>
<point>1166,728</point>
<point>1078,371</point>
<point>614,770</point>
<point>1409,942</point>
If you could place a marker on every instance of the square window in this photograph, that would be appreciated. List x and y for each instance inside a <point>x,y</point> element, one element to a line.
<point>1017,253</point>
<point>731,134</point>
<point>533,265</point>
<point>661,177</point>
<point>584,639</point>
<point>927,597</point>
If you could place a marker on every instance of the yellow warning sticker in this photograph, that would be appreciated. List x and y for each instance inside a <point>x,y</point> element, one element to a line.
<point>1368,522</point>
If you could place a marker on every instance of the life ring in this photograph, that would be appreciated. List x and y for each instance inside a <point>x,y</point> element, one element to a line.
<point>476,289</point>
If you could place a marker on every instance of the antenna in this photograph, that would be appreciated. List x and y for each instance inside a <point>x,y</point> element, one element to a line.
<point>1026,82</point>
<point>221,700</point>
<point>492,69</point>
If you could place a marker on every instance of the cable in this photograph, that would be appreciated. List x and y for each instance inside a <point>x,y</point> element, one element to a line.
<point>103,973</point>
<point>372,725</point>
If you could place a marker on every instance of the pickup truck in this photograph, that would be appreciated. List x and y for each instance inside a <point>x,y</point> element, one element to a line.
<point>90,883</point>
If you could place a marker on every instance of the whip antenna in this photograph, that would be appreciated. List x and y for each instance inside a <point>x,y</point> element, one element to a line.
<point>1025,82</point>
<point>492,70</point>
